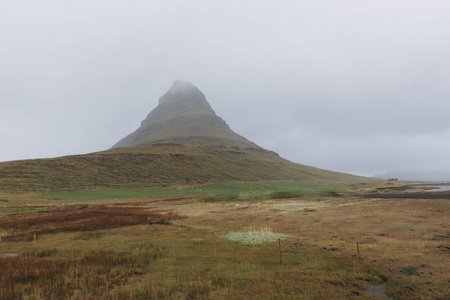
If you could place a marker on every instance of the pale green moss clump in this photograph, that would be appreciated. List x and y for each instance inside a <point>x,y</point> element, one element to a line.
<point>256,236</point>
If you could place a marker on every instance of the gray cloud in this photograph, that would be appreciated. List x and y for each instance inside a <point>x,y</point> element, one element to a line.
<point>360,87</point>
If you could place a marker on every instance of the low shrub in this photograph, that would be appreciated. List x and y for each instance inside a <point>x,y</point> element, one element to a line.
<point>87,219</point>
<point>286,195</point>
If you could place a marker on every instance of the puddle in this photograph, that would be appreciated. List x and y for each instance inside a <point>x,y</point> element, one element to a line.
<point>441,188</point>
<point>377,291</point>
<point>435,187</point>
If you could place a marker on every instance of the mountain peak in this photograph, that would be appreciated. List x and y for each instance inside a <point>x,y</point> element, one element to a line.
<point>182,96</point>
<point>181,86</point>
<point>180,90</point>
<point>183,115</point>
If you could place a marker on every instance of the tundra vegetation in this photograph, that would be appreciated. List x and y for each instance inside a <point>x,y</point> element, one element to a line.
<point>220,241</point>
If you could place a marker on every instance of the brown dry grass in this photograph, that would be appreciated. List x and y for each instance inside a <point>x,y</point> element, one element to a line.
<point>393,236</point>
<point>405,243</point>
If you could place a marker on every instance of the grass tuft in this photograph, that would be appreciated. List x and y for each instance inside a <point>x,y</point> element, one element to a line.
<point>409,270</point>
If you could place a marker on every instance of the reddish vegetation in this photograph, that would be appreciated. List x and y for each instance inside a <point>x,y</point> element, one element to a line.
<point>46,275</point>
<point>96,273</point>
<point>93,218</point>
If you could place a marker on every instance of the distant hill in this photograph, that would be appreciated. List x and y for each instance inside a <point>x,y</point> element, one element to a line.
<point>417,175</point>
<point>181,142</point>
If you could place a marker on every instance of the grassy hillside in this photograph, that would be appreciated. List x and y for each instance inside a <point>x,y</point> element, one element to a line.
<point>159,165</point>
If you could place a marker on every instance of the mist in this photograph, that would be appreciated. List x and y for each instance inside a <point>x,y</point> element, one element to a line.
<point>350,86</point>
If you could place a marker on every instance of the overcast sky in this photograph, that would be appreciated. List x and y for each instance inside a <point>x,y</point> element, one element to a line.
<point>354,86</point>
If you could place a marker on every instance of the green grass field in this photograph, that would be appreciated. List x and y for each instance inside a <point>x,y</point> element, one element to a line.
<point>114,194</point>
<point>224,191</point>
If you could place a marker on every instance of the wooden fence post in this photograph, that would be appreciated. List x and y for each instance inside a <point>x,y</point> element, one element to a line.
<point>34,243</point>
<point>279,246</point>
<point>359,256</point>
<point>159,245</point>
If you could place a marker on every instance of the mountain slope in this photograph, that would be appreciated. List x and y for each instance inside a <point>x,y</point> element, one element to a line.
<point>183,116</point>
<point>155,166</point>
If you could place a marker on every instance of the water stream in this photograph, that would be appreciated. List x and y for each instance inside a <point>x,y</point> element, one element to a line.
<point>435,188</point>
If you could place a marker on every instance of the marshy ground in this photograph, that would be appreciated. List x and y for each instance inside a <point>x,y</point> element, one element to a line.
<point>162,247</point>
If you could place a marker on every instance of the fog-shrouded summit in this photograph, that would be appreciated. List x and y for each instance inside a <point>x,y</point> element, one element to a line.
<point>183,115</point>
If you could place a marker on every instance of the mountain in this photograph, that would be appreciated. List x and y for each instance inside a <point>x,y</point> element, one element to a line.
<point>183,116</point>
<point>181,142</point>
